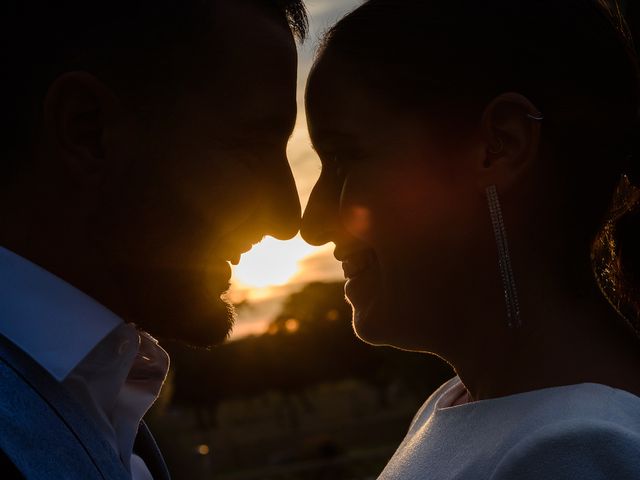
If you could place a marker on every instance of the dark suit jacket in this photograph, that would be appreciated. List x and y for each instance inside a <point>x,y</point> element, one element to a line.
<point>45,434</point>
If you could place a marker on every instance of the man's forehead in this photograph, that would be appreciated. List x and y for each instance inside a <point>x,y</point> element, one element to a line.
<point>239,23</point>
<point>250,49</point>
<point>244,70</point>
<point>258,96</point>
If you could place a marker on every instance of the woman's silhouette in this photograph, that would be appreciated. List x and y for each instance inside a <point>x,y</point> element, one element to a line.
<point>479,162</point>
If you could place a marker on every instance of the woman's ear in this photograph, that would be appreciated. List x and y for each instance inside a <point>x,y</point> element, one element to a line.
<point>79,111</point>
<point>510,132</point>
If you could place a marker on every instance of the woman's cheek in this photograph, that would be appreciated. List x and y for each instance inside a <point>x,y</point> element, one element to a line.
<point>391,201</point>
<point>357,205</point>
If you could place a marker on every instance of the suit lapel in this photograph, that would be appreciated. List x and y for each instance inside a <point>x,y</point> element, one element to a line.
<point>70,414</point>
<point>147,449</point>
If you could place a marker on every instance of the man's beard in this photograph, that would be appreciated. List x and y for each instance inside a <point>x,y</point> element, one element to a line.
<point>176,305</point>
<point>204,331</point>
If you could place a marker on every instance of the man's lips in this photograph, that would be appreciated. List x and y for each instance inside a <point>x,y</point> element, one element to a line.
<point>233,254</point>
<point>219,266</point>
<point>234,257</point>
<point>218,275</point>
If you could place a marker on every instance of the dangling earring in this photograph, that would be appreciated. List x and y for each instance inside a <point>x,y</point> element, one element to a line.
<point>504,259</point>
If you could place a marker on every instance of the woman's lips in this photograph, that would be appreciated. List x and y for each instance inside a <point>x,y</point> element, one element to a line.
<point>362,273</point>
<point>357,263</point>
<point>361,269</point>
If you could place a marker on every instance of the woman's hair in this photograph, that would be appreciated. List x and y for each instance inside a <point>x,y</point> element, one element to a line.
<point>574,59</point>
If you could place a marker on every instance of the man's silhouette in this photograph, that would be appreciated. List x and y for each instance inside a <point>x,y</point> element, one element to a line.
<point>143,147</point>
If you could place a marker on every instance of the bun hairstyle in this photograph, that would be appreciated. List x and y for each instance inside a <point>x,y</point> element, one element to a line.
<point>574,59</point>
<point>616,248</point>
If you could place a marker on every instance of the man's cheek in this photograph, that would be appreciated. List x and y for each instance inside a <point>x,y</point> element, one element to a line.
<point>223,197</point>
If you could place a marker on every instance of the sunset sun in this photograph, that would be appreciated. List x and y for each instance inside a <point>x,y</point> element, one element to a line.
<point>271,262</point>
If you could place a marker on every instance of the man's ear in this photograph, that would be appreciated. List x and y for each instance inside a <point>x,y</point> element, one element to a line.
<point>79,111</point>
<point>510,131</point>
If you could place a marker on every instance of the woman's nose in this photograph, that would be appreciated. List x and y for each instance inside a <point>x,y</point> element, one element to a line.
<point>320,219</point>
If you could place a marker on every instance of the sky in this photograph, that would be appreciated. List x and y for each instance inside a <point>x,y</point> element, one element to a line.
<point>304,162</point>
<point>273,270</point>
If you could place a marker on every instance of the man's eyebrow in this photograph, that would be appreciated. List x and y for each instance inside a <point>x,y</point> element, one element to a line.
<point>272,126</point>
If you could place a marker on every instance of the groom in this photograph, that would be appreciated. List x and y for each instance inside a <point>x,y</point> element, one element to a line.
<point>143,148</point>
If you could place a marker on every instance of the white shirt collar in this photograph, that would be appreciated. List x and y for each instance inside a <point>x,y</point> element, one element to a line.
<point>53,322</point>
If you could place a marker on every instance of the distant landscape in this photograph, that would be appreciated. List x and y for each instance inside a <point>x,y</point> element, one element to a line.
<point>305,400</point>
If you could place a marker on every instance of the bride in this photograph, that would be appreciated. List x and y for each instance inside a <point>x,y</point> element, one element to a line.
<point>478,181</point>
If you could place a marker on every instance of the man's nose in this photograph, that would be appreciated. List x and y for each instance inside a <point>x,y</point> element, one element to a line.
<point>281,209</point>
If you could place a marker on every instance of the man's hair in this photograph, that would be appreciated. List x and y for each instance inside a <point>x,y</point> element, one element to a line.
<point>41,39</point>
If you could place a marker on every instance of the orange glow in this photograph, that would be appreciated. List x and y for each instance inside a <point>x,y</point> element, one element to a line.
<point>292,325</point>
<point>273,329</point>
<point>358,220</point>
<point>271,263</point>
<point>333,315</point>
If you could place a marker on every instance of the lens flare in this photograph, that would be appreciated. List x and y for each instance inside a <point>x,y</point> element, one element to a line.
<point>357,220</point>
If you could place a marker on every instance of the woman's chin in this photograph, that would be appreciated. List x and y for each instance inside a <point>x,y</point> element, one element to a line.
<point>376,320</point>
<point>371,326</point>
<point>378,325</point>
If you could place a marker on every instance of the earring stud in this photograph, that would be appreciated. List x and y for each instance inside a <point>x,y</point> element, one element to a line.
<point>498,149</point>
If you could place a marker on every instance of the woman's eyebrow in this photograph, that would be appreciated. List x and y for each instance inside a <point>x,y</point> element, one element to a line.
<point>328,140</point>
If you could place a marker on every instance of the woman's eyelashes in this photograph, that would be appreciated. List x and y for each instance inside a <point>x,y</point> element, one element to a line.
<point>340,167</point>
<point>340,164</point>
<point>331,166</point>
